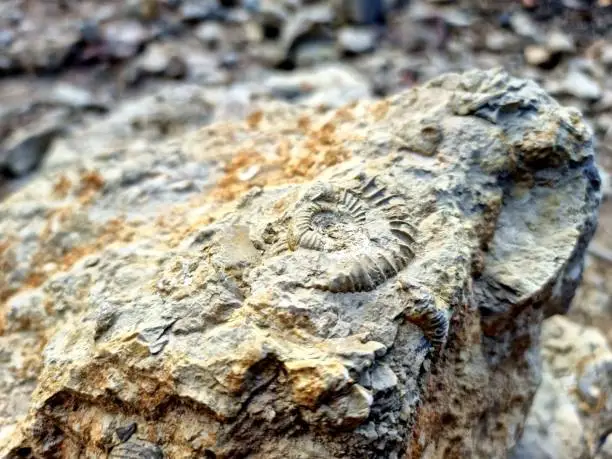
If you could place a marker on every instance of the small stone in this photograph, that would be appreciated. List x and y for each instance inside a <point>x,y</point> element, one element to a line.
<point>353,408</point>
<point>606,54</point>
<point>155,60</point>
<point>251,5</point>
<point>605,103</point>
<point>365,12</point>
<point>199,10</point>
<point>210,34</point>
<point>537,55</point>
<point>383,378</point>
<point>27,151</point>
<point>315,52</point>
<point>357,40</point>
<point>172,4</point>
<point>497,40</point>
<point>522,24</point>
<point>73,96</point>
<point>333,84</point>
<point>25,311</point>
<point>161,59</point>
<point>125,38</point>
<point>176,68</point>
<point>505,19</point>
<point>90,32</point>
<point>229,60</point>
<point>310,25</point>
<point>148,9</point>
<point>45,46</point>
<point>559,42</point>
<point>456,18</point>
<point>368,431</point>
<point>6,38</point>
<point>582,86</point>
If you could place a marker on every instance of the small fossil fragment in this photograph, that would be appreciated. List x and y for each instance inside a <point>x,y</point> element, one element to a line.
<point>367,243</point>
<point>136,449</point>
<point>434,323</point>
<point>422,311</point>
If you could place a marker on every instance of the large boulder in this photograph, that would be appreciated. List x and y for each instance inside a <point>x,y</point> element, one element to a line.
<point>368,281</point>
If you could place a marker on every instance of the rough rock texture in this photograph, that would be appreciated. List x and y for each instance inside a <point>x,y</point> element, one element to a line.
<point>571,414</point>
<point>375,289</point>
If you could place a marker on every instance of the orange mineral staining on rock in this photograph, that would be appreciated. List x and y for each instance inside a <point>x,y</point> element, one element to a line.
<point>91,182</point>
<point>62,187</point>
<point>380,109</point>
<point>254,119</point>
<point>296,157</point>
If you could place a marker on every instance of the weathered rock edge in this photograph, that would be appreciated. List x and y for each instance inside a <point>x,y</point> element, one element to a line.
<point>389,308</point>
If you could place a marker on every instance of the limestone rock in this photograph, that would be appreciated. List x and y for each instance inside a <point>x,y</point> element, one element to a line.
<point>374,285</point>
<point>572,409</point>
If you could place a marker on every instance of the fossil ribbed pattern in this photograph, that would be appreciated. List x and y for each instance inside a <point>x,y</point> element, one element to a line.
<point>359,227</point>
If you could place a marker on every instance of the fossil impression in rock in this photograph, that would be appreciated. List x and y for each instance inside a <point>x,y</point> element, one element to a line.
<point>356,226</point>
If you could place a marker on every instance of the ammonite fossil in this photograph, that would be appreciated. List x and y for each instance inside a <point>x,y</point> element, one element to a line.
<point>363,231</point>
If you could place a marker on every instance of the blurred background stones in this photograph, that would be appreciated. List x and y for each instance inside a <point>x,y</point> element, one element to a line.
<point>145,70</point>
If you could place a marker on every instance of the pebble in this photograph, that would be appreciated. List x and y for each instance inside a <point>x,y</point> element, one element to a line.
<point>200,10</point>
<point>148,9</point>
<point>332,84</point>
<point>383,378</point>
<point>229,60</point>
<point>314,52</point>
<point>559,42</point>
<point>456,18</point>
<point>25,155</point>
<point>160,59</point>
<point>357,40</point>
<point>125,38</point>
<point>177,68</point>
<point>308,22</point>
<point>6,38</point>
<point>90,32</point>
<point>364,12</point>
<point>73,96</point>
<point>210,34</point>
<point>605,103</point>
<point>7,64</point>
<point>251,5</point>
<point>496,40</point>
<point>523,25</point>
<point>606,54</point>
<point>537,55</point>
<point>155,59</point>
<point>582,86</point>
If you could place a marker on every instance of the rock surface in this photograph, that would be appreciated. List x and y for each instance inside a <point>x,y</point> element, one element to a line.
<point>571,413</point>
<point>374,287</point>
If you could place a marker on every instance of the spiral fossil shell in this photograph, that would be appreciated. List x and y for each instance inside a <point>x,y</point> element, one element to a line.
<point>360,230</point>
